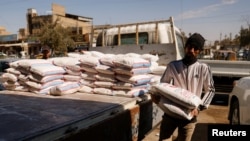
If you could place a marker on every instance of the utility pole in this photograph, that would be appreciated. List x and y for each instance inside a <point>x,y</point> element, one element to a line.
<point>220,37</point>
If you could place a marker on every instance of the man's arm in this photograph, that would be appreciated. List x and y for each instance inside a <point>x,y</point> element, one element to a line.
<point>209,89</point>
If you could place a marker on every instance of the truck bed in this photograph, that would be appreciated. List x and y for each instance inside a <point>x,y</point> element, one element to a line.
<point>225,73</point>
<point>228,68</point>
<point>28,116</point>
<point>165,52</point>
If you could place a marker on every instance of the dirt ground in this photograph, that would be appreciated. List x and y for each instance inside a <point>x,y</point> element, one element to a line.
<point>216,114</point>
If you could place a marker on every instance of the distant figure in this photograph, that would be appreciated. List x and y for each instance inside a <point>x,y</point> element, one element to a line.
<point>46,52</point>
<point>222,56</point>
<point>228,56</point>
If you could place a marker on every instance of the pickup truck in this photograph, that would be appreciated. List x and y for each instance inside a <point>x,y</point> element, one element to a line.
<point>225,73</point>
<point>238,113</point>
<point>30,116</point>
<point>159,39</point>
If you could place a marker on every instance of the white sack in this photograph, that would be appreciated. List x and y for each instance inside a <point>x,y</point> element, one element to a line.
<point>85,89</point>
<point>176,94</point>
<point>45,70</point>
<point>175,110</point>
<point>65,88</point>
<point>136,79</point>
<point>131,62</point>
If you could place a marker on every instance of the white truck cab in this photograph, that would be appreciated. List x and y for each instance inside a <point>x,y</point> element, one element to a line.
<point>160,38</point>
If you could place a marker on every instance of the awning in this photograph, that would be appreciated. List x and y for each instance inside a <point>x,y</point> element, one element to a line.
<point>17,44</point>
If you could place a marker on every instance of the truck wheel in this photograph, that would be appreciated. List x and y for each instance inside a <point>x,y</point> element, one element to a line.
<point>235,115</point>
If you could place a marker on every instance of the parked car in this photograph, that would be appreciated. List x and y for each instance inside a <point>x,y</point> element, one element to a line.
<point>239,102</point>
<point>225,55</point>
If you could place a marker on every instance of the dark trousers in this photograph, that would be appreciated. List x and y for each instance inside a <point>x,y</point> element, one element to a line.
<point>185,128</point>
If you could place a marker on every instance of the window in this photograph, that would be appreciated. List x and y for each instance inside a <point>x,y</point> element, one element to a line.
<point>130,38</point>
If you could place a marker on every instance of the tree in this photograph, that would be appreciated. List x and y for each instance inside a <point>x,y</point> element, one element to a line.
<point>55,36</point>
<point>244,36</point>
<point>245,32</point>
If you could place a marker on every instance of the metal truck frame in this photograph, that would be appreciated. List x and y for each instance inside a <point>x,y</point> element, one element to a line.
<point>160,38</point>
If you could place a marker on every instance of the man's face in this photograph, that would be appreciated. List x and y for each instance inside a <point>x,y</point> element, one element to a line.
<point>192,52</point>
<point>46,53</point>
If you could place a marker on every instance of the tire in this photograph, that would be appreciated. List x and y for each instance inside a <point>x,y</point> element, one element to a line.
<point>235,113</point>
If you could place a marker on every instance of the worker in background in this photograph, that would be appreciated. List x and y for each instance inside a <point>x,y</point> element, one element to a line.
<point>46,52</point>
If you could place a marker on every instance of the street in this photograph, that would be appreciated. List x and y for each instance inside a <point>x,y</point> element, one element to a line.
<point>215,114</point>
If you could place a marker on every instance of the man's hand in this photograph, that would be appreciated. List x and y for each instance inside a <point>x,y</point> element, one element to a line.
<point>156,98</point>
<point>195,112</point>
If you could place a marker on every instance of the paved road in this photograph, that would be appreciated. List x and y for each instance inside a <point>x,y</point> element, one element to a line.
<point>216,114</point>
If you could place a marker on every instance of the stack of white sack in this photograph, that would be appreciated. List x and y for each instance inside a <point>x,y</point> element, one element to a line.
<point>92,72</point>
<point>34,75</point>
<point>155,69</point>
<point>132,72</point>
<point>98,76</point>
<point>176,101</point>
<point>71,78</point>
<point>110,74</point>
<point>88,64</point>
<point>10,80</point>
<point>105,78</point>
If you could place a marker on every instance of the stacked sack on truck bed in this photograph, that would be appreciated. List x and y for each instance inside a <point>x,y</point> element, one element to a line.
<point>92,72</point>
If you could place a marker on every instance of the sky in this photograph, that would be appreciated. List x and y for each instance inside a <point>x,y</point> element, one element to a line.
<point>214,19</point>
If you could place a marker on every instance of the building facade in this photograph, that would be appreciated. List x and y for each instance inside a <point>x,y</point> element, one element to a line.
<point>80,27</point>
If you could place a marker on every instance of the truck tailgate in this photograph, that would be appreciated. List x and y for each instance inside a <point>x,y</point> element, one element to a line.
<point>26,116</point>
<point>228,68</point>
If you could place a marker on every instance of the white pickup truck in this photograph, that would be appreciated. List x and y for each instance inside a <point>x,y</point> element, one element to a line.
<point>165,40</point>
<point>160,38</point>
<point>225,73</point>
<point>239,102</point>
